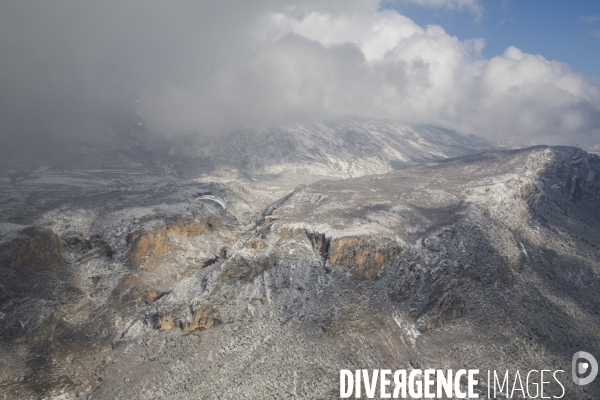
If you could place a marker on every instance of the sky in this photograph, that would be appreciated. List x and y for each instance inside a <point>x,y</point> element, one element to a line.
<point>567,31</point>
<point>525,71</point>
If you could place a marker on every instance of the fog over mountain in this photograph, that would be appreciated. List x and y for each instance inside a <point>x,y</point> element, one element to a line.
<point>117,282</point>
<point>205,68</point>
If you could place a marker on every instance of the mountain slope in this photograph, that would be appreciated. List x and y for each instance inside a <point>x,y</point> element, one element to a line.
<point>488,261</point>
<point>341,148</point>
<point>485,261</point>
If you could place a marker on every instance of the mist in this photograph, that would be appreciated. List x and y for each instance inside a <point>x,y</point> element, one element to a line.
<point>204,68</point>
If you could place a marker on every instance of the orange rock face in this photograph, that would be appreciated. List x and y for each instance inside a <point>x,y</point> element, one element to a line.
<point>364,255</point>
<point>145,247</point>
<point>204,318</point>
<point>165,323</point>
<point>36,247</point>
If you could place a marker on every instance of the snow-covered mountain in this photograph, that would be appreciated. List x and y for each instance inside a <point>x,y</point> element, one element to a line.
<point>341,148</point>
<point>86,157</point>
<point>344,148</point>
<point>351,244</point>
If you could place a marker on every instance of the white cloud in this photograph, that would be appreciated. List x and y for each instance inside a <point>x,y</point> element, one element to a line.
<point>590,18</point>
<point>379,63</point>
<point>207,67</point>
<point>473,6</point>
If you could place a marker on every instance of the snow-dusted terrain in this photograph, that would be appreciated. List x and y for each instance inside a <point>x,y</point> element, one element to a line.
<point>348,244</point>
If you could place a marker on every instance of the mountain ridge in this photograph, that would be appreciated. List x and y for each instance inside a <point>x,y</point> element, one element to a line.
<point>447,264</point>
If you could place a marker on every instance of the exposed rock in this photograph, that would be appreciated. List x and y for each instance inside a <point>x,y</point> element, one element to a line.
<point>243,269</point>
<point>446,309</point>
<point>35,247</point>
<point>148,245</point>
<point>256,244</point>
<point>202,318</point>
<point>192,228</point>
<point>364,255</point>
<point>165,323</point>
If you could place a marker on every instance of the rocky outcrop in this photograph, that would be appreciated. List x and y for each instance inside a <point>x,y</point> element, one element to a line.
<point>203,318</point>
<point>145,246</point>
<point>131,285</point>
<point>446,309</point>
<point>291,233</point>
<point>165,322</point>
<point>242,269</point>
<point>192,228</point>
<point>84,249</point>
<point>35,247</point>
<point>200,318</point>
<point>364,255</point>
<point>256,244</point>
<point>406,291</point>
<point>320,243</point>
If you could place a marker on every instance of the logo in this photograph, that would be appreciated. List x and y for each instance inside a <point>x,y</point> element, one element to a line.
<point>584,368</point>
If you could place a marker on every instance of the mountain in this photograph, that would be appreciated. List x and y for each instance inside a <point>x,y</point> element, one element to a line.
<point>341,148</point>
<point>121,284</point>
<point>83,158</point>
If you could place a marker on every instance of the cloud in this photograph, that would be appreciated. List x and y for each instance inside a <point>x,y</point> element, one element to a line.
<point>379,63</point>
<point>473,6</point>
<point>590,18</point>
<point>204,68</point>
